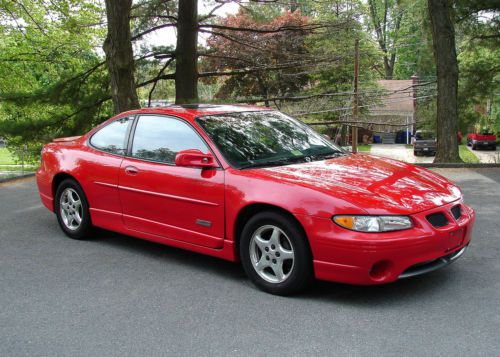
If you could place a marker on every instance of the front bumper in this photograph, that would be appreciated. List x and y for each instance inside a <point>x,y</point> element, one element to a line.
<point>435,264</point>
<point>376,258</point>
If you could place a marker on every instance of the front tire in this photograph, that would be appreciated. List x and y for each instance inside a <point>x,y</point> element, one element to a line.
<point>72,210</point>
<point>275,253</point>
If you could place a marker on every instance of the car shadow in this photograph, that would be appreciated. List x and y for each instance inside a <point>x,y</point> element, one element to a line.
<point>174,255</point>
<point>395,293</point>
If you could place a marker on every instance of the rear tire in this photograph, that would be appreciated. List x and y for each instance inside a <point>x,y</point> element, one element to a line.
<point>474,147</point>
<point>275,253</point>
<point>72,210</point>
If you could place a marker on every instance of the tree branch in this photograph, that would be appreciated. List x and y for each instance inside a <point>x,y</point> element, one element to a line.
<point>232,39</point>
<point>307,27</point>
<point>156,82</point>
<point>152,29</point>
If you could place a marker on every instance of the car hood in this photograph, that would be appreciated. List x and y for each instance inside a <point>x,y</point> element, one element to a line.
<point>376,185</point>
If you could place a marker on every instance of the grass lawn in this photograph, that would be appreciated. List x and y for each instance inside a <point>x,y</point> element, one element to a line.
<point>29,168</point>
<point>5,157</point>
<point>466,155</point>
<point>364,148</point>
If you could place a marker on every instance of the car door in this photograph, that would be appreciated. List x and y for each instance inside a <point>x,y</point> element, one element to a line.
<point>98,169</point>
<point>160,198</point>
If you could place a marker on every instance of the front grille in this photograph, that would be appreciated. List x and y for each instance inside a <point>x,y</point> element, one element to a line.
<point>456,211</point>
<point>437,219</point>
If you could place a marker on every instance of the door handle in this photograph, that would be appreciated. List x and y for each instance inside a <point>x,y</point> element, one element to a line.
<point>131,170</point>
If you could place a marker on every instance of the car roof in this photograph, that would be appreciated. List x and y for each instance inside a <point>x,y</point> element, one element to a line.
<point>192,111</point>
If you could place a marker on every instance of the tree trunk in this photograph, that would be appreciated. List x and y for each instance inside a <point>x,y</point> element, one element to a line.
<point>186,57</point>
<point>443,38</point>
<point>263,90</point>
<point>388,67</point>
<point>120,56</point>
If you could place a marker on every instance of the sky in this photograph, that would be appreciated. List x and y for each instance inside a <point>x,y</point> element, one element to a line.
<point>167,36</point>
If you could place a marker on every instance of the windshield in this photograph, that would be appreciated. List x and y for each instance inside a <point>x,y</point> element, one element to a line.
<point>265,138</point>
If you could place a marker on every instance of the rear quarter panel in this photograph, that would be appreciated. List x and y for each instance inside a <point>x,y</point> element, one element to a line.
<point>95,171</point>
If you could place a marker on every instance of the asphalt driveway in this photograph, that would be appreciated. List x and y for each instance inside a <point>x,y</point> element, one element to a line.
<point>399,152</point>
<point>115,296</point>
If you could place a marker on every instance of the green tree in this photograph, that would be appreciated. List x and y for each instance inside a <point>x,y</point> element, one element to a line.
<point>477,24</point>
<point>52,81</point>
<point>386,17</point>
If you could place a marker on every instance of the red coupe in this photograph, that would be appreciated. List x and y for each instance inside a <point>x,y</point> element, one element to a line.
<point>251,184</point>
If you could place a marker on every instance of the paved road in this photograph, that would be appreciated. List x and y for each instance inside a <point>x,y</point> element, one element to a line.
<point>399,152</point>
<point>116,296</point>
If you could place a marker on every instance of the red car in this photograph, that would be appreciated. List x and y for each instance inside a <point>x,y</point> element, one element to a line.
<point>251,184</point>
<point>480,140</point>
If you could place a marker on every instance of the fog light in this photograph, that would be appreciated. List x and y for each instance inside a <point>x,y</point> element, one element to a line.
<point>381,270</point>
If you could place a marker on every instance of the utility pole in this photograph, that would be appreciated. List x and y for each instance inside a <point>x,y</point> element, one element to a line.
<point>355,100</point>
<point>414,83</point>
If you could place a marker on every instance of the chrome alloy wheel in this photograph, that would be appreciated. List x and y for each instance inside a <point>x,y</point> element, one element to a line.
<point>71,209</point>
<point>271,254</point>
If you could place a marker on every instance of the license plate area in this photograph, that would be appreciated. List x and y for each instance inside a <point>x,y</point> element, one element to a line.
<point>426,149</point>
<point>456,238</point>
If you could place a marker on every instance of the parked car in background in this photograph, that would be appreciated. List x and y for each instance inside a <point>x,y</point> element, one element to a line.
<point>484,139</point>
<point>254,185</point>
<point>424,143</point>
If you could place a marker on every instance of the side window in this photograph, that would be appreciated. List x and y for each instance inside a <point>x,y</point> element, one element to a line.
<point>160,139</point>
<point>113,137</point>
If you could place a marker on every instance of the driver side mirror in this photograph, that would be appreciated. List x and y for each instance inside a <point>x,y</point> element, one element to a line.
<point>195,158</point>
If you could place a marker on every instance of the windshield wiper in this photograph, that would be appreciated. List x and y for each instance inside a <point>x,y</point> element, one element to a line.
<point>328,156</point>
<point>280,162</point>
<point>293,160</point>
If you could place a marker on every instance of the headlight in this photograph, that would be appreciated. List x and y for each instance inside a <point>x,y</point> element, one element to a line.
<point>374,223</point>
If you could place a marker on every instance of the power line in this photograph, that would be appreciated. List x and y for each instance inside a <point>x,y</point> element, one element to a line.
<point>361,106</point>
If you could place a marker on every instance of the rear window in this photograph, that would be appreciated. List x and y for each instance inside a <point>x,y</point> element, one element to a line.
<point>113,137</point>
<point>425,135</point>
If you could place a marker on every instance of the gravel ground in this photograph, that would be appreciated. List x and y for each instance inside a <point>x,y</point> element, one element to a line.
<point>115,296</point>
